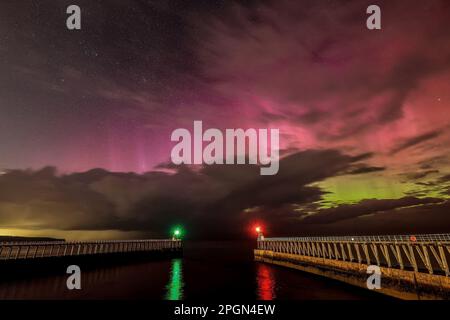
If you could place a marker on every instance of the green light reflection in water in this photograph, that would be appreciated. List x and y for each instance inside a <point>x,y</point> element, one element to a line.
<point>175,286</point>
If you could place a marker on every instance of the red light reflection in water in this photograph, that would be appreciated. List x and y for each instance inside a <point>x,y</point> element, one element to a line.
<point>266,282</point>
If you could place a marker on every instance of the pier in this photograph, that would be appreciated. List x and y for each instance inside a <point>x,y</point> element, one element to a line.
<point>412,266</point>
<point>32,250</point>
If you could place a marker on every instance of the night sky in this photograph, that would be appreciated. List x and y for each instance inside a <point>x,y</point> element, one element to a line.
<point>86,117</point>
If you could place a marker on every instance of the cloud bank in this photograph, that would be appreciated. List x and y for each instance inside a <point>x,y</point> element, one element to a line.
<point>216,201</point>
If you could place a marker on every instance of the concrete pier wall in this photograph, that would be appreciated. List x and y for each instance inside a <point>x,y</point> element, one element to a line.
<point>403,284</point>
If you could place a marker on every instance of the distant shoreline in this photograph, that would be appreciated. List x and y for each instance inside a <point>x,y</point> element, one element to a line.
<point>17,238</point>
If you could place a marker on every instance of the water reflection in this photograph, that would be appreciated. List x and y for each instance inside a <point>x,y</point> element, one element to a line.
<point>266,282</point>
<point>54,286</point>
<point>175,286</point>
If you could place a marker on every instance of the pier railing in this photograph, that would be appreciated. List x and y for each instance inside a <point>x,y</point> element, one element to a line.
<point>46,249</point>
<point>421,253</point>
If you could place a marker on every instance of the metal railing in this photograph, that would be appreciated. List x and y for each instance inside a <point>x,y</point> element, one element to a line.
<point>421,253</point>
<point>46,249</point>
<point>443,237</point>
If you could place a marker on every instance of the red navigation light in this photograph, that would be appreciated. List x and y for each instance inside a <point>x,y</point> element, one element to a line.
<point>258,229</point>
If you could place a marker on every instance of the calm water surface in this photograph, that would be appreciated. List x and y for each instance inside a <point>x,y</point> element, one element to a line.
<point>208,271</point>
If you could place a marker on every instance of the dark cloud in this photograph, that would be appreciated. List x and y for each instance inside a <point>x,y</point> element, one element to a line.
<point>421,175</point>
<point>443,179</point>
<point>408,215</point>
<point>366,207</point>
<point>363,156</point>
<point>363,170</point>
<point>209,200</point>
<point>408,143</point>
<point>425,218</point>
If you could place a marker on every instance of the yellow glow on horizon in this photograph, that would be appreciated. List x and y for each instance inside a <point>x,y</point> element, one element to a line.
<point>73,235</point>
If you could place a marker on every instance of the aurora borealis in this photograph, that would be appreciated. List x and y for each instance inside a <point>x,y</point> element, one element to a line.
<point>86,116</point>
